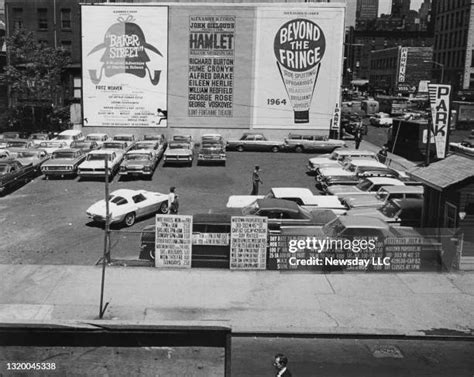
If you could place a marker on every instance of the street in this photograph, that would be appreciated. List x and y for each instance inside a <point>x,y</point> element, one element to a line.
<point>254,356</point>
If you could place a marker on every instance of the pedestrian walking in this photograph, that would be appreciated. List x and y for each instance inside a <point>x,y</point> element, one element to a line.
<point>358,137</point>
<point>383,153</point>
<point>256,180</point>
<point>173,203</point>
<point>280,363</point>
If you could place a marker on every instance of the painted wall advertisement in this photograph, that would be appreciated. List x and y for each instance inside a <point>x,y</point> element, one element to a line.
<point>124,62</point>
<point>297,67</point>
<point>211,66</point>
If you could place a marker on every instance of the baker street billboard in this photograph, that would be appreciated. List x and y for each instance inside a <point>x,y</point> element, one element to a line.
<point>124,62</point>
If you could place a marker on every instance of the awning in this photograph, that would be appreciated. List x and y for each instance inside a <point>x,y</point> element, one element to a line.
<point>439,175</point>
<point>359,82</point>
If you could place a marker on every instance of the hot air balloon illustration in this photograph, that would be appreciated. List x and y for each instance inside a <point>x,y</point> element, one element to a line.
<point>299,47</point>
<point>125,52</point>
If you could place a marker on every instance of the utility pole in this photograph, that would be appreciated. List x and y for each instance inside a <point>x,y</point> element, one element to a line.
<point>106,256</point>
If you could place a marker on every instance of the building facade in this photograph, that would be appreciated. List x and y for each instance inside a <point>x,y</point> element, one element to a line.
<point>400,69</point>
<point>367,9</point>
<point>453,43</point>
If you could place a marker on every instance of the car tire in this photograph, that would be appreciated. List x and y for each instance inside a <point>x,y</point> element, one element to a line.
<point>129,219</point>
<point>240,148</point>
<point>275,149</point>
<point>163,208</point>
<point>152,254</point>
<point>299,149</point>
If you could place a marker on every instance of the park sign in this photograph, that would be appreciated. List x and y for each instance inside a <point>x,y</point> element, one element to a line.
<point>439,101</point>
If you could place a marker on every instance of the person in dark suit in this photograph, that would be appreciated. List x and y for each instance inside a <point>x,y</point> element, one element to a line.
<point>256,180</point>
<point>280,364</point>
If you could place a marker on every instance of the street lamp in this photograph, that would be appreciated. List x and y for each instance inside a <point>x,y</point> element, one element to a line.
<point>437,63</point>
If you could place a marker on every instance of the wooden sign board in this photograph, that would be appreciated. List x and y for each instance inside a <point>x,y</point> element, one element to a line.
<point>248,243</point>
<point>173,241</point>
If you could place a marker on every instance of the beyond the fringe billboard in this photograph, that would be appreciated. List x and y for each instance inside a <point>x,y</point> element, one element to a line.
<point>213,66</point>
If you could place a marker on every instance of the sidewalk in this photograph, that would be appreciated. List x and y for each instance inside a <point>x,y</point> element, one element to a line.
<point>264,301</point>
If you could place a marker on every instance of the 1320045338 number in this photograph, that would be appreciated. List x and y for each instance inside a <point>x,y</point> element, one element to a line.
<point>31,366</point>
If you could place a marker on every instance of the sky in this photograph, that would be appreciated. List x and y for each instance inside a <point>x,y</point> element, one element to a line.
<point>385,6</point>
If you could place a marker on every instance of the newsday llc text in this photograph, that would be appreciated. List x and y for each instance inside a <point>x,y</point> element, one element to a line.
<point>326,244</point>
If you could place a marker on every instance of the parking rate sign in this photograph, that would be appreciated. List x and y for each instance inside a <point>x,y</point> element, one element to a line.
<point>439,101</point>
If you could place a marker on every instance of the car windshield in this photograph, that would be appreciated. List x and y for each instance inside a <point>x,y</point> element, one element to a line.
<point>178,146</point>
<point>250,209</point>
<point>382,195</point>
<point>211,139</point>
<point>3,169</point>
<point>94,137</point>
<point>390,209</point>
<point>98,157</point>
<point>50,145</point>
<point>65,155</point>
<point>113,145</point>
<point>333,228</point>
<point>27,154</point>
<point>181,138</point>
<point>39,137</point>
<point>144,146</point>
<point>123,138</point>
<point>151,137</point>
<point>211,145</point>
<point>118,200</point>
<point>137,157</point>
<point>64,137</point>
<point>365,185</point>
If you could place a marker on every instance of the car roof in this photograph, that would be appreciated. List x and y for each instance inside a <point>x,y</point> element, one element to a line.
<point>291,191</point>
<point>362,222</point>
<point>385,180</point>
<point>366,162</point>
<point>102,151</point>
<point>277,204</point>
<point>122,135</point>
<point>97,134</point>
<point>138,151</point>
<point>355,152</point>
<point>70,132</point>
<point>402,189</point>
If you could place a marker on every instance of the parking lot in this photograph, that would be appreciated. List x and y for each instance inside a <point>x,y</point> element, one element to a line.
<point>45,221</point>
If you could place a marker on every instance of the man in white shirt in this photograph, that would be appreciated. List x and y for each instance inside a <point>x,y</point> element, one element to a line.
<point>280,364</point>
<point>172,201</point>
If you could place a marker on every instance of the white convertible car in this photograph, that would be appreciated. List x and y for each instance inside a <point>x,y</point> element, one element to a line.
<point>127,205</point>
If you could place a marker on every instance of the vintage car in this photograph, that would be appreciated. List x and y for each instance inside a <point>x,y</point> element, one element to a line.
<point>339,155</point>
<point>51,146</point>
<point>155,146</point>
<point>63,162</point>
<point>94,164</point>
<point>381,120</point>
<point>213,138</point>
<point>179,153</point>
<point>325,173</point>
<point>311,143</point>
<point>69,136</point>
<point>14,174</point>
<point>282,213</point>
<point>126,206</point>
<point>211,151</point>
<point>383,195</point>
<point>18,143</point>
<point>139,162</point>
<point>37,137</point>
<point>357,165</point>
<point>155,137</point>
<point>85,146</point>
<point>122,146</point>
<point>10,135</point>
<point>254,142</point>
<point>404,212</point>
<point>341,180</point>
<point>466,146</point>
<point>128,138</point>
<point>370,184</point>
<point>98,138</point>
<point>301,196</point>
<point>29,156</point>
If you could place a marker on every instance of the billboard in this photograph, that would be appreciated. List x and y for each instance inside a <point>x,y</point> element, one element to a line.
<point>124,63</point>
<point>298,66</point>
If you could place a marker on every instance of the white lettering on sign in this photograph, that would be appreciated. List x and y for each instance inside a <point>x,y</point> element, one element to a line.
<point>403,64</point>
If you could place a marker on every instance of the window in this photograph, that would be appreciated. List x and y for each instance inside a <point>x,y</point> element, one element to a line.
<point>42,18</point>
<point>66,19</point>
<point>17,18</point>
<point>77,83</point>
<point>138,198</point>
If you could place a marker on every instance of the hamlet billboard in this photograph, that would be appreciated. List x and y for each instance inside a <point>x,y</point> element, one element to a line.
<point>124,63</point>
<point>298,66</point>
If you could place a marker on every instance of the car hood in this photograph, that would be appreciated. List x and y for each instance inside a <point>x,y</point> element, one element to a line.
<point>178,152</point>
<point>363,200</point>
<point>319,160</point>
<point>94,164</point>
<point>137,163</point>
